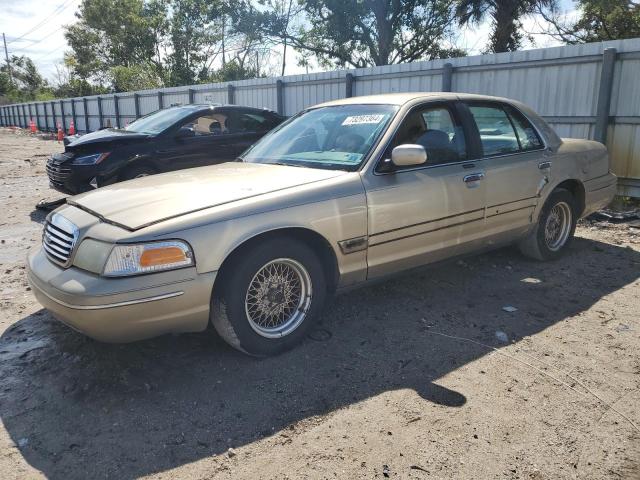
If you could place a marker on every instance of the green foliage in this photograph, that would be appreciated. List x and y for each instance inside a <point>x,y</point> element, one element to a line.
<point>231,71</point>
<point>194,27</point>
<point>27,82</point>
<point>361,33</point>
<point>136,77</point>
<point>506,16</point>
<point>603,20</point>
<point>116,33</point>
<point>599,20</point>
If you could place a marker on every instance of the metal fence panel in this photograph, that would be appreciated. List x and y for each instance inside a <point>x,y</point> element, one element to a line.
<point>563,84</point>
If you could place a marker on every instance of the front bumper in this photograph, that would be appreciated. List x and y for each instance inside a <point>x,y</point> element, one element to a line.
<point>68,178</point>
<point>119,310</point>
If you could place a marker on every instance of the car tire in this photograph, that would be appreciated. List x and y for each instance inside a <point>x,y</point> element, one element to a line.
<point>138,171</point>
<point>553,233</point>
<point>269,296</point>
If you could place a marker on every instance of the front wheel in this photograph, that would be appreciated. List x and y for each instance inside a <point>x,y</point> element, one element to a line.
<point>554,231</point>
<point>268,297</point>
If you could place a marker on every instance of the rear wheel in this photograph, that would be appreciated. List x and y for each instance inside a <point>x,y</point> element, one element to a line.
<point>554,231</point>
<point>269,297</point>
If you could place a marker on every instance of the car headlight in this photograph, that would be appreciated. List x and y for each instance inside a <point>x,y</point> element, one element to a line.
<point>135,259</point>
<point>93,159</point>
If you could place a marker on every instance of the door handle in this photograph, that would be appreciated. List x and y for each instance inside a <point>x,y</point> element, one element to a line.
<point>544,165</point>
<point>473,177</point>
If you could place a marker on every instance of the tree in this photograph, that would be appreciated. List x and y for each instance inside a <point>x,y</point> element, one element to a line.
<point>358,34</point>
<point>196,30</point>
<point>599,20</point>
<point>272,23</point>
<point>27,83</point>
<point>116,33</point>
<point>506,16</point>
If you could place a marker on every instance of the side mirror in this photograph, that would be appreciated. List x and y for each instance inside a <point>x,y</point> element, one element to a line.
<point>185,132</point>
<point>408,154</point>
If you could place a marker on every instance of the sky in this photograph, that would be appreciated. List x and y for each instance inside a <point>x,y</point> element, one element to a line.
<point>35,28</point>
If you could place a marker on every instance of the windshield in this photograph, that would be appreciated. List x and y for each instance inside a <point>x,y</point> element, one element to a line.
<point>338,137</point>
<point>159,121</point>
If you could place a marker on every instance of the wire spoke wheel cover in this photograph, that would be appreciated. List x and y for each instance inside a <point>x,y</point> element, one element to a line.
<point>278,298</point>
<point>558,226</point>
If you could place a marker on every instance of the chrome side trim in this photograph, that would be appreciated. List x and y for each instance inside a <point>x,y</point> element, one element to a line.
<point>111,305</point>
<point>353,245</point>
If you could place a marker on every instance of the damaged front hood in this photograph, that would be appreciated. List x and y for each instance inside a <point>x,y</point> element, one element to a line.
<point>149,200</point>
<point>108,135</point>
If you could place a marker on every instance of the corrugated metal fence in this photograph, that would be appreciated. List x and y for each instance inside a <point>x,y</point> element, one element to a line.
<point>584,91</point>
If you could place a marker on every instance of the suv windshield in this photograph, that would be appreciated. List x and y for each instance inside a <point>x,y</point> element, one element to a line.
<point>159,121</point>
<point>337,137</point>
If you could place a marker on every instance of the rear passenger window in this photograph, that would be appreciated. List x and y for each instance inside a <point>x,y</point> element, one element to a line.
<point>496,131</point>
<point>529,139</point>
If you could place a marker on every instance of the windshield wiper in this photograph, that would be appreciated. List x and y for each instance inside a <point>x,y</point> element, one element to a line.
<point>285,164</point>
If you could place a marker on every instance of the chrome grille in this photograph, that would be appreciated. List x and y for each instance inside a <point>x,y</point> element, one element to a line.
<point>59,238</point>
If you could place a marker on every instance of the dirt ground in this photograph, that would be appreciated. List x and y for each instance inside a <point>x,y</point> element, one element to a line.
<point>421,377</point>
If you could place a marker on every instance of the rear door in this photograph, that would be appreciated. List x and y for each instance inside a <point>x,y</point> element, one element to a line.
<point>516,167</point>
<point>425,213</point>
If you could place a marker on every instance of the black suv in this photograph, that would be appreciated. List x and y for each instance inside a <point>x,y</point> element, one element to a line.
<point>170,139</point>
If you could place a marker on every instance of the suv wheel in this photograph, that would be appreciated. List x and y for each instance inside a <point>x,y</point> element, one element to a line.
<point>555,228</point>
<point>269,297</point>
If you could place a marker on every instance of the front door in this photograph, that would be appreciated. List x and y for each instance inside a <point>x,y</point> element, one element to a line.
<point>515,167</point>
<point>426,213</point>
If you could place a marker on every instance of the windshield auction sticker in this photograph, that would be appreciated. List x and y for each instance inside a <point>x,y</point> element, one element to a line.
<point>360,119</point>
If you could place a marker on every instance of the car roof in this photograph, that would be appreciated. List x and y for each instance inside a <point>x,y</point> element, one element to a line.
<point>402,98</point>
<point>210,106</point>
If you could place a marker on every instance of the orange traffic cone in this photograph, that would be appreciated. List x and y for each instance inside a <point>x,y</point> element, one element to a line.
<point>32,126</point>
<point>60,133</point>
<point>72,128</point>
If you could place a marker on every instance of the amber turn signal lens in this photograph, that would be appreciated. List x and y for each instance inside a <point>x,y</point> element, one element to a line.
<point>162,256</point>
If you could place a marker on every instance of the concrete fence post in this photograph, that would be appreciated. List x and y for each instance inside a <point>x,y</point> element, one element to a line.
<point>86,115</point>
<point>280,96</point>
<point>604,95</point>
<point>348,85</point>
<point>116,107</point>
<point>62,114</point>
<point>447,77</point>
<point>53,115</point>
<point>231,94</point>
<point>136,104</point>
<point>160,100</point>
<point>100,117</point>
<point>73,114</point>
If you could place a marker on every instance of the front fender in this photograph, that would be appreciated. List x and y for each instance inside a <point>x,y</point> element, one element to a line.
<point>333,219</point>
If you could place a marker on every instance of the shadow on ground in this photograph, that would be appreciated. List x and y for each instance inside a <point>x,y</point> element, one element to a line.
<point>131,410</point>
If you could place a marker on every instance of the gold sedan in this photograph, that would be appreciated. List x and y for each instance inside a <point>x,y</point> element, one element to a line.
<point>341,194</point>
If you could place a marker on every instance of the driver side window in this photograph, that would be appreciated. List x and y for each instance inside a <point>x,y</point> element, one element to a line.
<point>436,130</point>
<point>210,124</point>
